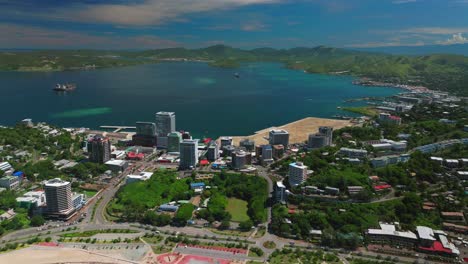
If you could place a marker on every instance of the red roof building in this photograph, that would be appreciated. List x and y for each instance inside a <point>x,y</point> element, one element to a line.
<point>135,156</point>
<point>382,187</point>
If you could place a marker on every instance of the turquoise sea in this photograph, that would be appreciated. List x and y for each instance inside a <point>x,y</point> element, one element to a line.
<point>208,101</point>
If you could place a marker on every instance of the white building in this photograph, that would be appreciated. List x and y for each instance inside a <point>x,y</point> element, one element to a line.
<point>188,154</point>
<point>9,182</point>
<point>5,166</point>
<point>297,173</point>
<point>143,176</point>
<point>388,234</point>
<point>353,153</point>
<point>36,198</point>
<point>58,196</point>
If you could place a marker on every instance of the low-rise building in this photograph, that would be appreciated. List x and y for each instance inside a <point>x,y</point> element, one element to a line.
<point>435,242</point>
<point>78,200</point>
<point>10,214</point>
<point>389,235</point>
<point>353,190</point>
<point>197,187</point>
<point>168,208</point>
<point>385,118</point>
<point>31,200</point>
<point>462,175</point>
<point>143,176</point>
<point>453,217</point>
<point>117,165</point>
<point>6,167</point>
<point>353,153</point>
<point>9,182</point>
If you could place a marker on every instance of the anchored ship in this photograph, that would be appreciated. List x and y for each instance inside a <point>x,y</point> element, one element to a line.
<point>64,87</point>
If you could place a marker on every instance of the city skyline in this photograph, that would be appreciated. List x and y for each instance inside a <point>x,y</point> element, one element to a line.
<point>152,24</point>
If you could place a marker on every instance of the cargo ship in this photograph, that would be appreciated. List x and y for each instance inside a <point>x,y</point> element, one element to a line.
<point>64,87</point>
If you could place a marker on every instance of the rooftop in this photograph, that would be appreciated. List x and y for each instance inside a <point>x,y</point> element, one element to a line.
<point>116,162</point>
<point>57,182</point>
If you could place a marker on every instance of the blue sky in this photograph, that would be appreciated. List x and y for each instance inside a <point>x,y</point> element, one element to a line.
<point>143,24</point>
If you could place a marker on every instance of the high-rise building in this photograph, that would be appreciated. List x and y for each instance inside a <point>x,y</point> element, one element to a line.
<point>99,149</point>
<point>173,141</point>
<point>186,135</point>
<point>145,129</point>
<point>297,173</point>
<point>279,137</point>
<point>280,192</point>
<point>317,141</point>
<point>239,159</point>
<point>228,150</point>
<point>212,153</point>
<point>328,132</point>
<point>225,141</point>
<point>248,144</point>
<point>188,154</point>
<point>58,197</point>
<point>267,154</point>
<point>165,123</point>
<point>145,134</point>
<point>258,151</point>
<point>278,151</point>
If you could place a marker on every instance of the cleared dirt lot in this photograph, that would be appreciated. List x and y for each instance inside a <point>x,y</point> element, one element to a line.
<point>298,131</point>
<point>42,255</point>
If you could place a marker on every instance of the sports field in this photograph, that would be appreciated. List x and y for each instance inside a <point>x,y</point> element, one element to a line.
<point>238,209</point>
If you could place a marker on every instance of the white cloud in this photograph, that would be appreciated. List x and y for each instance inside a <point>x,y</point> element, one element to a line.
<point>18,36</point>
<point>385,44</point>
<point>254,26</point>
<point>148,12</point>
<point>455,39</point>
<point>435,30</point>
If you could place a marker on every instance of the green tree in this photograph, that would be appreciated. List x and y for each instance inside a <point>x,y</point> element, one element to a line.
<point>37,220</point>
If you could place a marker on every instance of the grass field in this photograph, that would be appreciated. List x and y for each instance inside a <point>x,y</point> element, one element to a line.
<point>238,209</point>
<point>89,194</point>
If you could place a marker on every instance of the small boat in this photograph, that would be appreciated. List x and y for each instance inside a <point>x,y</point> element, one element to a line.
<point>64,87</point>
<point>236,75</point>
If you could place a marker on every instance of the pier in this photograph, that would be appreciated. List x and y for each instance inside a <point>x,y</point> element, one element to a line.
<point>118,128</point>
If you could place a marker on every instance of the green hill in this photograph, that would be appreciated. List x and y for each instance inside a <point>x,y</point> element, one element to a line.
<point>444,72</point>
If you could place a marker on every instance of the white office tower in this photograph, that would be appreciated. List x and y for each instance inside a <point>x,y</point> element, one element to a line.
<point>165,123</point>
<point>188,154</point>
<point>297,173</point>
<point>58,196</point>
<point>279,137</point>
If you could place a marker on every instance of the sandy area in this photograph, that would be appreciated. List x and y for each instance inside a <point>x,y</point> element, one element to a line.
<point>298,131</point>
<point>41,255</point>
